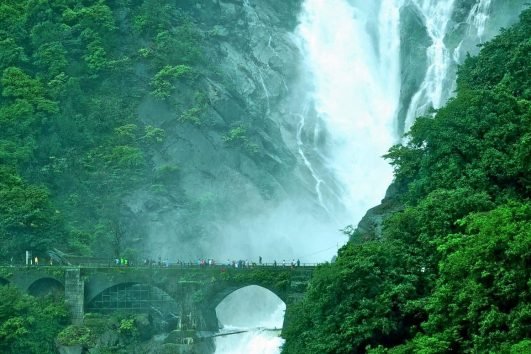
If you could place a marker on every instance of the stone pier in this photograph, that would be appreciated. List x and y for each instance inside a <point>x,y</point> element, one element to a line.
<point>74,294</point>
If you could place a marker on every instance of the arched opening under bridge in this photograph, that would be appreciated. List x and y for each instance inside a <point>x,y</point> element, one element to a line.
<point>46,287</point>
<point>250,319</point>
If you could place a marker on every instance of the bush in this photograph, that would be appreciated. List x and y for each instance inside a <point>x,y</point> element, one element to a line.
<point>76,335</point>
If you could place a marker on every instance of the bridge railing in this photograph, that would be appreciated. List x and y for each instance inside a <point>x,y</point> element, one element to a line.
<point>111,264</point>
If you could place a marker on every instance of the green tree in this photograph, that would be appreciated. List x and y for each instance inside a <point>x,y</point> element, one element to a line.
<point>481,301</point>
<point>11,53</point>
<point>27,219</point>
<point>27,324</point>
<point>19,85</point>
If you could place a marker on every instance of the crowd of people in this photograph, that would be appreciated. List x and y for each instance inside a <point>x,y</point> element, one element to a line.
<point>209,262</point>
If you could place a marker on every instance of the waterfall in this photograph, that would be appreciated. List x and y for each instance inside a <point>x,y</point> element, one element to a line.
<point>439,81</point>
<point>476,22</point>
<point>266,91</point>
<point>351,55</point>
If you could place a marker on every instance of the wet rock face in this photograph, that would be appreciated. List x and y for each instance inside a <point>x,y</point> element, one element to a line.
<point>251,62</point>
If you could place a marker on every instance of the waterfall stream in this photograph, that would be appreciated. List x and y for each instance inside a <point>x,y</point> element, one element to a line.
<point>307,163</point>
<point>477,19</point>
<point>351,53</point>
<point>436,15</point>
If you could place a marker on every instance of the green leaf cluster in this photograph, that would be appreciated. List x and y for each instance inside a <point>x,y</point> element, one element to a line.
<point>162,83</point>
<point>239,137</point>
<point>76,335</point>
<point>27,324</point>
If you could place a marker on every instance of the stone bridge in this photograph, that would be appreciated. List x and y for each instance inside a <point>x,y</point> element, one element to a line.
<point>187,293</point>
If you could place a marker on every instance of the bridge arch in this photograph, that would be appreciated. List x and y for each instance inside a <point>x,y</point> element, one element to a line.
<point>250,304</point>
<point>228,289</point>
<point>46,286</point>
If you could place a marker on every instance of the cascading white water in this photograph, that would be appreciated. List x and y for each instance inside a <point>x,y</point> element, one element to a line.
<point>477,19</point>
<point>432,94</point>
<point>351,52</point>
<point>439,80</point>
<point>477,23</point>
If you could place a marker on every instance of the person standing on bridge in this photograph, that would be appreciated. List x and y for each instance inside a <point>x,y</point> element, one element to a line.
<point>298,263</point>
<point>260,260</point>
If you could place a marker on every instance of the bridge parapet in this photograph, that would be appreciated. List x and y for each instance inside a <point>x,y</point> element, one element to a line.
<point>24,277</point>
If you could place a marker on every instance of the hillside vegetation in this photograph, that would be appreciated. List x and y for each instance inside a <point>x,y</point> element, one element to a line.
<point>451,270</point>
<point>72,145</point>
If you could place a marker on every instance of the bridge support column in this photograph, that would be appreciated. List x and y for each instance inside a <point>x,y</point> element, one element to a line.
<point>75,294</point>
<point>209,319</point>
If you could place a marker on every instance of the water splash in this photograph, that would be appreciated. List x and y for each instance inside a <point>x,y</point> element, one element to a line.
<point>255,342</point>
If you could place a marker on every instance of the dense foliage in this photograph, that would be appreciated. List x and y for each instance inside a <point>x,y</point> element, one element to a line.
<point>27,324</point>
<point>451,270</point>
<point>72,143</point>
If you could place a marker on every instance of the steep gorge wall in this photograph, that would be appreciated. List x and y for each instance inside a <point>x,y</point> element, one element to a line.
<point>237,163</point>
